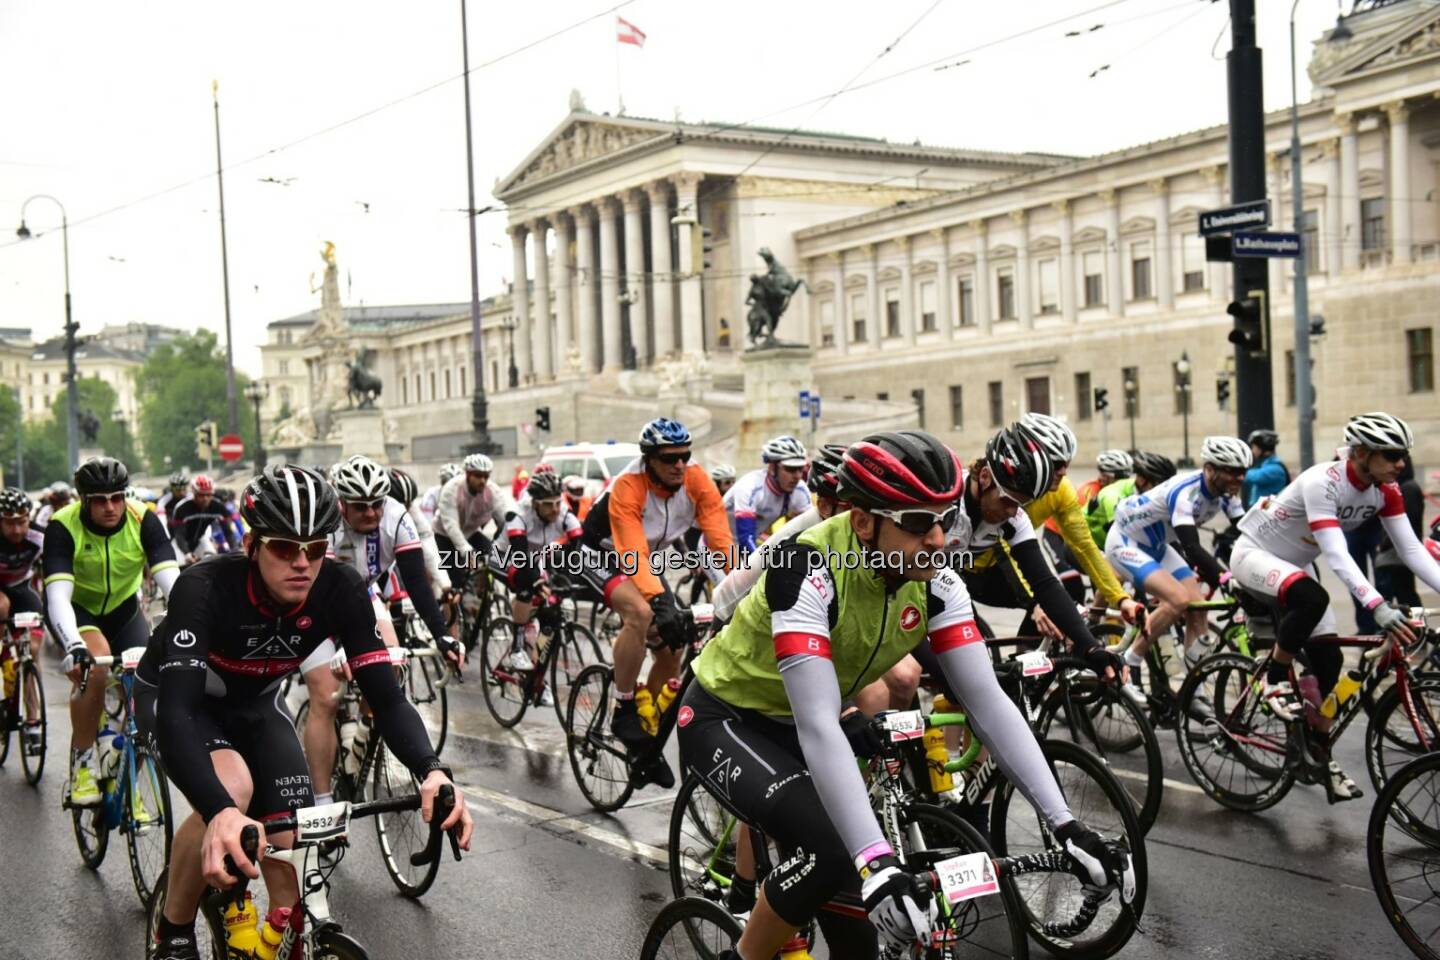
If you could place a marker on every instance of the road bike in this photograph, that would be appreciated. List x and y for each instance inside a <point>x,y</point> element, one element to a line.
<point>1403,849</point>
<point>22,705</point>
<point>563,648</point>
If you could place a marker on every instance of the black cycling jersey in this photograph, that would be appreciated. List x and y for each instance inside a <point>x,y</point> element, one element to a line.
<point>190,523</point>
<point>16,559</point>
<point>222,643</point>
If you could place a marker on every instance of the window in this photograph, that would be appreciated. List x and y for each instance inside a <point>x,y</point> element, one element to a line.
<point>927,307</point>
<point>461,373</point>
<point>1130,379</point>
<point>1005,293</point>
<point>1140,287</point>
<point>967,302</point>
<point>1310,238</point>
<point>1289,378</point>
<point>1083,409</point>
<point>827,323</point>
<point>997,403</point>
<point>883,395</point>
<point>1037,395</point>
<point>1419,347</point>
<point>45,379</point>
<point>1192,260</point>
<point>1094,262</point>
<point>494,375</point>
<point>918,395</point>
<point>1182,389</point>
<point>1048,277</point>
<point>892,312</point>
<point>418,397</point>
<point>857,314</point>
<point>284,398</point>
<point>957,408</point>
<point>1372,224</point>
<point>404,390</point>
<point>447,384</point>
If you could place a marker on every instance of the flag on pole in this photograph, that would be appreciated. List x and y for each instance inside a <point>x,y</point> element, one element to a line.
<point>627,32</point>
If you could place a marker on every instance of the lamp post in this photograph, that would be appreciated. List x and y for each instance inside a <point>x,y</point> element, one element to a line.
<point>72,436</point>
<point>19,441</point>
<point>511,324</point>
<point>230,403</point>
<point>1183,388</point>
<point>628,298</point>
<point>479,408</point>
<point>119,417</point>
<point>256,391</point>
<point>1130,410</point>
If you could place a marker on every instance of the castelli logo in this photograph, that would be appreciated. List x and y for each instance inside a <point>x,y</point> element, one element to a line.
<point>909,618</point>
<point>304,623</point>
<point>685,716</point>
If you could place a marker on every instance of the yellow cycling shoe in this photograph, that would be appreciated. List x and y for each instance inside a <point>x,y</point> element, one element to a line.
<point>84,791</point>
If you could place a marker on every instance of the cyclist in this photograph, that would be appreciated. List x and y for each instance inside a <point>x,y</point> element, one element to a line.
<point>208,690</point>
<point>1110,465</point>
<point>1269,475</point>
<point>467,504</point>
<point>431,500</point>
<point>1282,535</point>
<point>640,515</point>
<point>174,493</point>
<point>1058,517</point>
<point>1139,544</point>
<point>724,476</point>
<point>56,498</point>
<point>1151,470</point>
<point>776,490</point>
<point>20,544</point>
<point>94,557</point>
<point>576,500</point>
<point>762,722</point>
<point>537,523</point>
<point>404,490</point>
<point>195,519</point>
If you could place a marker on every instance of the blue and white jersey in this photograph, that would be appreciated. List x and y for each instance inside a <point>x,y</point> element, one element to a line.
<point>756,501</point>
<point>1150,518</point>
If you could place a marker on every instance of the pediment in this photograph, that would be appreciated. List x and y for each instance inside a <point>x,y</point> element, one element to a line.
<point>821,286</point>
<point>1138,225</point>
<point>963,260</point>
<point>1001,251</point>
<point>890,273</point>
<point>579,139</point>
<point>1413,40</point>
<point>856,280</point>
<point>1187,216</point>
<point>924,266</point>
<point>1089,235</point>
<point>1045,244</point>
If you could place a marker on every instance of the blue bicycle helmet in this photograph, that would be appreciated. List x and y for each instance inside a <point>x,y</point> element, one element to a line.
<point>663,432</point>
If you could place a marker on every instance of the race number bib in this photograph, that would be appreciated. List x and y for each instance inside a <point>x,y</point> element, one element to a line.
<point>968,876</point>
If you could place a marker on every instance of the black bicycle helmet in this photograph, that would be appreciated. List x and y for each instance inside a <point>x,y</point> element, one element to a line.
<point>825,470</point>
<point>1264,439</point>
<point>403,487</point>
<point>14,502</point>
<point>289,501</point>
<point>899,469</point>
<point>1153,466</point>
<point>544,486</point>
<point>1018,462</point>
<point>101,475</point>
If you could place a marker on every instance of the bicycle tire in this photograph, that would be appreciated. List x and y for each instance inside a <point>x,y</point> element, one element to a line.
<point>34,766</point>
<point>5,728</point>
<point>335,945</point>
<point>339,782</point>
<point>209,928</point>
<point>1267,776</point>
<point>402,833</point>
<point>1391,810</point>
<point>422,684</point>
<point>598,760</point>
<point>1112,814</point>
<point>505,692</point>
<point>693,914</point>
<point>92,833</point>
<point>145,870</point>
<point>576,651</point>
<point>1390,741</point>
<point>697,825</point>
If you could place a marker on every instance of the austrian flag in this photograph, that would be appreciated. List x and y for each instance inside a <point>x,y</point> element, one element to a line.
<point>627,32</point>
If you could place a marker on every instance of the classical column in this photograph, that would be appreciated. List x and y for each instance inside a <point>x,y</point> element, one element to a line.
<point>842,306</point>
<point>692,326</point>
<point>872,290</point>
<point>585,331</point>
<point>909,318</point>
<point>1114,277</point>
<point>942,284</point>
<point>1164,256</point>
<point>564,302</point>
<point>1067,259</point>
<point>541,338</point>
<point>635,274</point>
<point>982,275</point>
<point>609,284</point>
<point>1021,219</point>
<point>662,285</point>
<point>1400,235</point>
<point>520,301</point>
<point>1333,234</point>
<point>1349,191</point>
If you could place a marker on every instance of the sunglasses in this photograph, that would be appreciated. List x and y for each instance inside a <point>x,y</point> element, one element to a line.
<point>1014,499</point>
<point>288,550</point>
<point>357,505</point>
<point>670,459</point>
<point>553,503</point>
<point>1394,456</point>
<point>918,522</point>
<point>105,497</point>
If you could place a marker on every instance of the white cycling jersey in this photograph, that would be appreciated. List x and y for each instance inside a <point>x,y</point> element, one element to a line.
<point>756,496</point>
<point>974,535</point>
<point>748,567</point>
<point>461,513</point>
<point>429,502</point>
<point>1150,518</point>
<point>373,553</point>
<point>439,582</point>
<point>525,522</point>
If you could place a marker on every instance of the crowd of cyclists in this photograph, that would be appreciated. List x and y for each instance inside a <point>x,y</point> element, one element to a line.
<point>843,580</point>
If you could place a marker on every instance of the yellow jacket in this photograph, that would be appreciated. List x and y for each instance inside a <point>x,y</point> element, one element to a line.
<point>1063,504</point>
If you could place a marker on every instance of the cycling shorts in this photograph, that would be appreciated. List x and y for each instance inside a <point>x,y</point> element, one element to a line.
<point>123,628</point>
<point>22,599</point>
<point>597,575</point>
<point>261,731</point>
<point>1135,561</point>
<point>1266,575</point>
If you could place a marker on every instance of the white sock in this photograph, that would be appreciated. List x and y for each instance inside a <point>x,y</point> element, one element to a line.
<point>323,798</point>
<point>1134,659</point>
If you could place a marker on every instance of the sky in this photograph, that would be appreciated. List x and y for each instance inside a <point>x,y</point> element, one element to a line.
<point>356,109</point>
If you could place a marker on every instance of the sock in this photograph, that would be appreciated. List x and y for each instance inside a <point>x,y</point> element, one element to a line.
<point>1277,672</point>
<point>1134,659</point>
<point>625,696</point>
<point>323,798</point>
<point>166,931</point>
<point>84,757</point>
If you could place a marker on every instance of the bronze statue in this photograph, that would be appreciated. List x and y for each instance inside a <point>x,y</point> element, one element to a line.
<point>769,297</point>
<point>89,425</point>
<point>364,386</point>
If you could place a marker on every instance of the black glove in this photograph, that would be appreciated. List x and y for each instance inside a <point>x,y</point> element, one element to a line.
<point>1099,657</point>
<point>669,621</point>
<point>77,657</point>
<point>865,740</point>
<point>1105,864</point>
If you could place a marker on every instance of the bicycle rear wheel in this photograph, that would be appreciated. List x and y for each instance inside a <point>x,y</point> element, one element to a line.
<point>1109,722</point>
<point>401,833</point>
<point>92,833</point>
<point>209,930</point>
<point>1391,740</point>
<point>701,842</point>
<point>690,928</point>
<point>32,695</point>
<point>148,822</point>
<point>502,685</point>
<point>425,691</point>
<point>1403,848</point>
<point>577,650</point>
<point>597,758</point>
<point>5,715</point>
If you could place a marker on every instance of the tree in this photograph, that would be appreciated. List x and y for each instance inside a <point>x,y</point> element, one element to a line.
<point>45,442</point>
<point>181,385</point>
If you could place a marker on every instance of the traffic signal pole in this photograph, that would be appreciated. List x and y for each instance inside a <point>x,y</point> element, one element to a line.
<point>1254,401</point>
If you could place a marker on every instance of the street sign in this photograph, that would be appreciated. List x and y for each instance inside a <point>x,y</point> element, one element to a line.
<point>232,448</point>
<point>815,406</point>
<point>804,404</point>
<point>1260,243</point>
<point>1242,216</point>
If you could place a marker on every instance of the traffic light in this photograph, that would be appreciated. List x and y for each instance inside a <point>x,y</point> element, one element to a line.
<point>204,441</point>
<point>1222,392</point>
<point>1250,325</point>
<point>542,418</point>
<point>702,247</point>
<point>1101,404</point>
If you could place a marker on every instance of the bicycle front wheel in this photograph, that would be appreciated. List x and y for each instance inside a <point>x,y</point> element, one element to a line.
<point>31,700</point>
<point>209,929</point>
<point>401,833</point>
<point>147,822</point>
<point>701,842</point>
<point>1404,853</point>
<point>577,650</point>
<point>1109,723</point>
<point>503,686</point>
<point>598,759</point>
<point>690,929</point>
<point>1392,739</point>
<point>334,945</point>
<point>427,693</point>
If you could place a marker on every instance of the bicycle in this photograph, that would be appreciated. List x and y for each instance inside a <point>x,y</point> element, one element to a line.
<point>311,931</point>
<point>22,707</point>
<point>1243,739</point>
<point>563,649</point>
<point>1403,850</point>
<point>425,685</point>
<point>135,794</point>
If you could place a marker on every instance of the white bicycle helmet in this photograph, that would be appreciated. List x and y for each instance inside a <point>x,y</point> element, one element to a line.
<point>785,450</point>
<point>479,463</point>
<point>1231,452</point>
<point>1117,463</point>
<point>1056,439</point>
<point>1378,431</point>
<point>722,473</point>
<point>361,478</point>
<point>449,472</point>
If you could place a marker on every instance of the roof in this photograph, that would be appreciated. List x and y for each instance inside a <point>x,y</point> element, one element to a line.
<point>54,350</point>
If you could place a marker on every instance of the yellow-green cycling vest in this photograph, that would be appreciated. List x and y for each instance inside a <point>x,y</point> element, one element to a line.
<point>108,570</point>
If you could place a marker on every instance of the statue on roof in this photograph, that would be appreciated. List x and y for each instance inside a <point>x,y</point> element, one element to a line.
<point>769,298</point>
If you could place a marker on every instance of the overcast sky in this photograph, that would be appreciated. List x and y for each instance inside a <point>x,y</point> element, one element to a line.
<point>108,104</point>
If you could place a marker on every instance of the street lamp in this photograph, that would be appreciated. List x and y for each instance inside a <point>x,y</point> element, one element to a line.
<point>19,441</point>
<point>1183,388</point>
<point>256,391</point>
<point>119,417</point>
<point>1130,388</point>
<point>511,324</point>
<point>479,408</point>
<point>628,298</point>
<point>72,436</point>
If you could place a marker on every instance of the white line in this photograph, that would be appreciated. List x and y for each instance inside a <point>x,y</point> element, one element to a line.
<point>1169,784</point>
<point>559,821</point>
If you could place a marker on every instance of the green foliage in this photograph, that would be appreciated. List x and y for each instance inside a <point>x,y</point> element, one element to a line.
<point>45,442</point>
<point>181,385</point>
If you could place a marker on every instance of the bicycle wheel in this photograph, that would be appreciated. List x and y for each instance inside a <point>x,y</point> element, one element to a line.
<point>334,945</point>
<point>5,714</point>
<point>401,833</point>
<point>1110,722</point>
<point>1096,798</point>
<point>577,650</point>
<point>425,691</point>
<point>339,783</point>
<point>1404,854</point>
<point>32,756</point>
<point>147,821</point>
<point>1391,740</point>
<point>209,929</point>
<point>701,843</point>
<point>597,758</point>
<point>1237,756</point>
<point>505,688</point>
<point>690,928</point>
<point>92,833</point>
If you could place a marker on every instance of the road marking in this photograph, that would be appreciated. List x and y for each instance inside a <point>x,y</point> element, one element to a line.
<point>1169,784</point>
<point>559,822</point>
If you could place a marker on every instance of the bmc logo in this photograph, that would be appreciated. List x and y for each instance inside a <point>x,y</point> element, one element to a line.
<point>909,618</point>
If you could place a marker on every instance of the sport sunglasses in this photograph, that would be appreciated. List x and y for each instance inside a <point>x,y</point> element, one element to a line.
<point>918,522</point>
<point>287,550</point>
<point>670,459</point>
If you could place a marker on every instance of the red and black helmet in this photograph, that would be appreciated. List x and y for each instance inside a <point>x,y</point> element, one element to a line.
<point>900,469</point>
<point>825,470</point>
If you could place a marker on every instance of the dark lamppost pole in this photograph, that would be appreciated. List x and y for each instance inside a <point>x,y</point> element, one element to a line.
<point>479,408</point>
<point>511,323</point>
<point>1130,410</point>
<point>256,391</point>
<point>1183,388</point>
<point>72,401</point>
<point>232,404</point>
<point>19,441</point>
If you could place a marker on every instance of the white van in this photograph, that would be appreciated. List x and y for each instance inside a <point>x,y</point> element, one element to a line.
<point>598,463</point>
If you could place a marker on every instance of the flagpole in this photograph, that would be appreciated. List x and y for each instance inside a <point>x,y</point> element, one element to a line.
<point>619,91</point>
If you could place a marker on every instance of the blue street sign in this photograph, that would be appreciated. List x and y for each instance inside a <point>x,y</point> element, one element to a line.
<point>815,406</point>
<point>1260,243</point>
<point>1254,213</point>
<point>804,403</point>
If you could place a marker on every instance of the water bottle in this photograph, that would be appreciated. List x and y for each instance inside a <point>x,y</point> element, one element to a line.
<point>272,933</point>
<point>349,726</point>
<point>795,949</point>
<point>240,926</point>
<point>107,753</point>
<point>1343,691</point>
<point>8,669</point>
<point>358,747</point>
<point>645,706</point>
<point>936,756</point>
<point>667,695</point>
